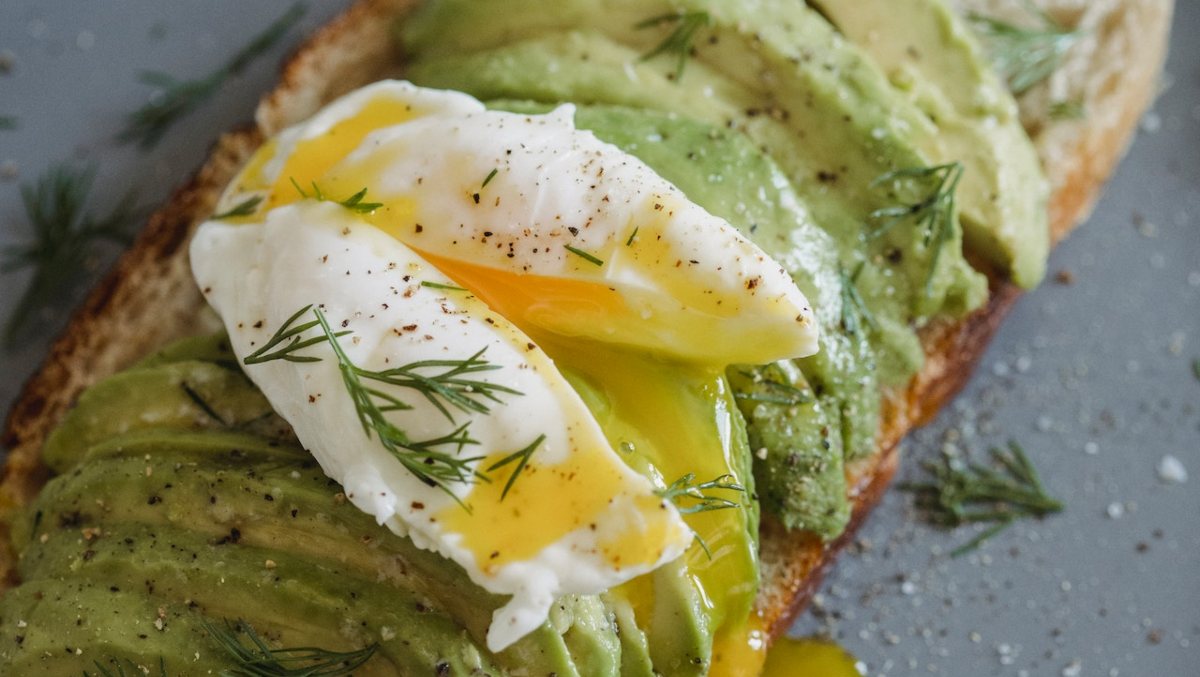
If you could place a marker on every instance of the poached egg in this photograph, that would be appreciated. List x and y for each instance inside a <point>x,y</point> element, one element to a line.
<point>578,238</point>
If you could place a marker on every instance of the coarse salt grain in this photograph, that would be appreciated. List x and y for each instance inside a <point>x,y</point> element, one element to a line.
<point>1171,470</point>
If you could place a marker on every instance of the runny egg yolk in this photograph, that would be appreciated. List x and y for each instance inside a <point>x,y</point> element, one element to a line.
<point>316,155</point>
<point>549,502</point>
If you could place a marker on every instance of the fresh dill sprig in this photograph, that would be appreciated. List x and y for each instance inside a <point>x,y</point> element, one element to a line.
<point>521,457</point>
<point>244,208</point>
<point>629,242</point>
<point>969,493</point>
<point>476,195</point>
<point>772,390</point>
<point>854,309</point>
<point>103,670</point>
<point>934,214</point>
<point>439,285</point>
<point>679,41</point>
<point>257,659</point>
<point>8,122</point>
<point>1024,56</point>
<point>1067,110</point>
<point>64,239</point>
<point>175,99</point>
<point>449,386</point>
<point>689,497</point>
<point>354,203</point>
<point>441,382</point>
<point>590,258</point>
<point>274,348</point>
<point>445,384</point>
<point>426,459</point>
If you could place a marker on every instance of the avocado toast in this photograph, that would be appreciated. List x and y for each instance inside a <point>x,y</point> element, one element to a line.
<point>692,70</point>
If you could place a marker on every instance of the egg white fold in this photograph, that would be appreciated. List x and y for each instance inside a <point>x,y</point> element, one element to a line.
<point>366,282</point>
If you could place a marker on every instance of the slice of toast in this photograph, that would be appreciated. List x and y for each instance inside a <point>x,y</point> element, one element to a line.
<point>150,299</point>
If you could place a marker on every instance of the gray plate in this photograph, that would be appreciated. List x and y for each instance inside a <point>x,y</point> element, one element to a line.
<point>1093,377</point>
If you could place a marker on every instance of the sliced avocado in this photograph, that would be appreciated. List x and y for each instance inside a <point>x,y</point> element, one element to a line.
<point>274,497</point>
<point>937,61</point>
<point>288,507</point>
<point>213,348</point>
<point>67,626</point>
<point>589,633</point>
<point>295,599</point>
<point>143,441</point>
<point>635,648</point>
<point>678,631</point>
<point>801,475</point>
<point>189,394</point>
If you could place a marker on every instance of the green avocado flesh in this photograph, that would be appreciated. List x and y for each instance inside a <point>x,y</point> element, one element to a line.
<point>180,499</point>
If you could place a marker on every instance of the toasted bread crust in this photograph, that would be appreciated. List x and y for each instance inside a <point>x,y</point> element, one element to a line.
<point>149,297</point>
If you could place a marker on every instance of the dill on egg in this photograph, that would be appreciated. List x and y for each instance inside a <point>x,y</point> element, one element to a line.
<point>439,285</point>
<point>590,258</point>
<point>446,384</point>
<point>521,457</point>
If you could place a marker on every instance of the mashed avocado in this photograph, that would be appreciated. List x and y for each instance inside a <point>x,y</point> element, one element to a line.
<point>813,128</point>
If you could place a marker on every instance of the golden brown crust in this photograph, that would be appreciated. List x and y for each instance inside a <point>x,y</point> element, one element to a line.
<point>352,50</point>
<point>148,299</point>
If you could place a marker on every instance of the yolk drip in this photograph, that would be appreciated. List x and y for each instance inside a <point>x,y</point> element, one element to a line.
<point>251,177</point>
<point>549,502</point>
<point>312,158</point>
<point>740,651</point>
<point>809,658</point>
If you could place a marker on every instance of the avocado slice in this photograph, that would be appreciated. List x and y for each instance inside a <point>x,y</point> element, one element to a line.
<point>190,394</point>
<point>292,598</point>
<point>286,506</point>
<point>939,64</point>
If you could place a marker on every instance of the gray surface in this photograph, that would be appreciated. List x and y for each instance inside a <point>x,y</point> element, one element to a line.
<point>1093,377</point>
